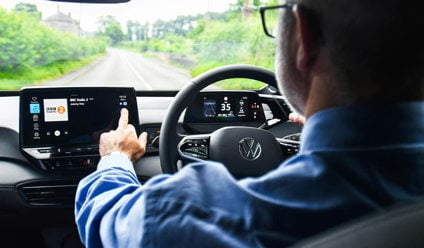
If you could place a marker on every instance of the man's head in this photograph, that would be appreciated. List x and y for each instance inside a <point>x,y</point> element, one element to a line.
<point>340,52</point>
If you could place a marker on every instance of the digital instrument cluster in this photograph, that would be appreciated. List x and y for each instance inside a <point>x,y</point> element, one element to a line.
<point>225,107</point>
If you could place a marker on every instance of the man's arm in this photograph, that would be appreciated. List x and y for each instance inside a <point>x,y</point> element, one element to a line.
<point>113,186</point>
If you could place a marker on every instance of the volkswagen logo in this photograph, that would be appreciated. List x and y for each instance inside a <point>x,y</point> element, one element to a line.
<point>249,148</point>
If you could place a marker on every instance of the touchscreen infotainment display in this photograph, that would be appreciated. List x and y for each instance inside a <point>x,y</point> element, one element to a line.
<point>72,117</point>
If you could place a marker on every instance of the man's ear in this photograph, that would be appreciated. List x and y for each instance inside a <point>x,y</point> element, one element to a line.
<point>308,44</point>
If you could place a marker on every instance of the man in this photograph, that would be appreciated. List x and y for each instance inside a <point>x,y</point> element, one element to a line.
<point>354,69</point>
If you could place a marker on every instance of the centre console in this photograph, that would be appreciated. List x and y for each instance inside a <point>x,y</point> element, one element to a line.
<point>60,128</point>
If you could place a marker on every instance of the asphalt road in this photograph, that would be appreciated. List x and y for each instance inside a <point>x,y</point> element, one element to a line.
<point>124,68</point>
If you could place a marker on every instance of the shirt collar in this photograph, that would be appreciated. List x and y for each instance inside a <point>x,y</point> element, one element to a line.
<point>364,126</point>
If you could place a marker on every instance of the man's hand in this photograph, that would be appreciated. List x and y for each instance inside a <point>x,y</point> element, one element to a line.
<point>123,139</point>
<point>297,118</point>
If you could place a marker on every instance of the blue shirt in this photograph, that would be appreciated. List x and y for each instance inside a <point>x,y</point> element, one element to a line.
<point>352,161</point>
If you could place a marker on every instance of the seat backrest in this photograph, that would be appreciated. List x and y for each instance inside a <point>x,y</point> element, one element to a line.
<point>398,227</point>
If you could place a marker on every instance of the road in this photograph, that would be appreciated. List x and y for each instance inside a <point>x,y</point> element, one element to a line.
<point>124,68</point>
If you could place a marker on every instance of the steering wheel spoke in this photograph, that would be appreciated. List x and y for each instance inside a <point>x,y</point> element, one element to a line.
<point>194,146</point>
<point>290,144</point>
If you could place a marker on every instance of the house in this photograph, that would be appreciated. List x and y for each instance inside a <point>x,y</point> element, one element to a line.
<point>64,23</point>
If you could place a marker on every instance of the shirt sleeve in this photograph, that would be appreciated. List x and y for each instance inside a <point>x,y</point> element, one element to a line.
<point>110,204</point>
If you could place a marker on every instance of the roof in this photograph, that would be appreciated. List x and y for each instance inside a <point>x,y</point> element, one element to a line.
<point>60,17</point>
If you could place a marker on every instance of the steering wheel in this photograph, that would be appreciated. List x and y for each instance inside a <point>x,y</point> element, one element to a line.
<point>245,151</point>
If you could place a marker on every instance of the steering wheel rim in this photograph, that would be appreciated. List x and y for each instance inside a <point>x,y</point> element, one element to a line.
<point>168,137</point>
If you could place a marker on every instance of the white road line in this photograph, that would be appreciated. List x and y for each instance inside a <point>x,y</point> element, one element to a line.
<point>139,77</point>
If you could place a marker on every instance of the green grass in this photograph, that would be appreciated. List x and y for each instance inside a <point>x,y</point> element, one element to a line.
<point>33,76</point>
<point>132,48</point>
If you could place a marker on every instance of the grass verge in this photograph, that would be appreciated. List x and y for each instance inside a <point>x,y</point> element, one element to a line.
<point>33,76</point>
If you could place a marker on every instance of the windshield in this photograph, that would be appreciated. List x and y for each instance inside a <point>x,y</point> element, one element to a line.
<point>147,44</point>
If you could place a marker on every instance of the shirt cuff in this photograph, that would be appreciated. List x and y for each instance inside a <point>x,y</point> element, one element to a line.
<point>116,159</point>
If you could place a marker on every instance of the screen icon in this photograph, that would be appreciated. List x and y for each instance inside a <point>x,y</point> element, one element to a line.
<point>55,110</point>
<point>34,108</point>
<point>36,136</point>
<point>61,109</point>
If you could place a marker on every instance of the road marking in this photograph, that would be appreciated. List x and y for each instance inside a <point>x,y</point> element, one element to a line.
<point>139,77</point>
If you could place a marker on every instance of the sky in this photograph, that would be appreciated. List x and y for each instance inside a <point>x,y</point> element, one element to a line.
<point>136,10</point>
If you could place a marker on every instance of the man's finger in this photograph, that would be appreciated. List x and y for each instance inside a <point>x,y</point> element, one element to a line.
<point>123,120</point>
<point>143,138</point>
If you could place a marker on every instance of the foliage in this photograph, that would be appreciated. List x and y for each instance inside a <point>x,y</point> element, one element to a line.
<point>243,4</point>
<point>109,27</point>
<point>171,43</point>
<point>29,9</point>
<point>211,40</point>
<point>26,45</point>
<point>236,41</point>
<point>197,42</point>
<point>182,25</point>
<point>28,76</point>
<point>136,31</point>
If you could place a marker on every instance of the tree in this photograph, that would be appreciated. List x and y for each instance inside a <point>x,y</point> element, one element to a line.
<point>29,9</point>
<point>131,31</point>
<point>248,3</point>
<point>136,31</point>
<point>108,26</point>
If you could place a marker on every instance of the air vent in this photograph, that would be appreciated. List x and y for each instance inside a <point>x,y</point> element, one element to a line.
<point>49,195</point>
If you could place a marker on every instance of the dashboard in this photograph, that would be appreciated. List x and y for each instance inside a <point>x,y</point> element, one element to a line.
<point>58,128</point>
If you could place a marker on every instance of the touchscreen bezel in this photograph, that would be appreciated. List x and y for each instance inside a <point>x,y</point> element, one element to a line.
<point>47,150</point>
